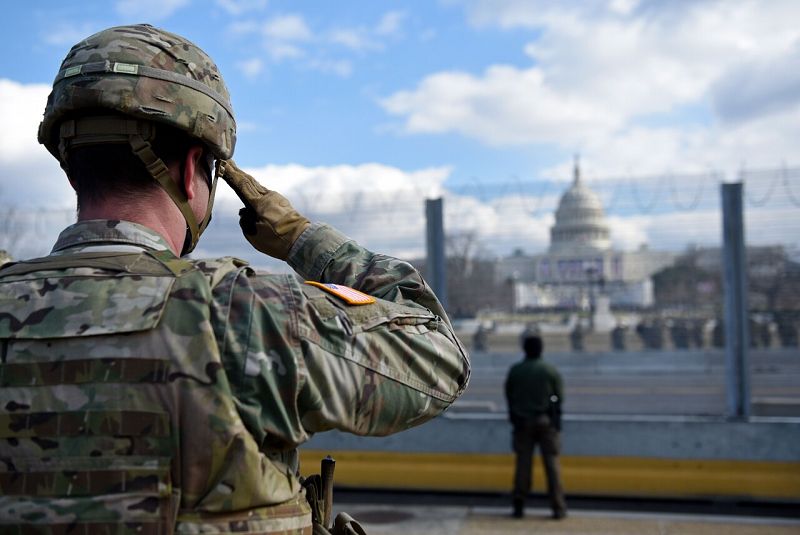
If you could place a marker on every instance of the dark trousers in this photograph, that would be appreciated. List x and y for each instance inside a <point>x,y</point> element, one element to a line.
<point>527,434</point>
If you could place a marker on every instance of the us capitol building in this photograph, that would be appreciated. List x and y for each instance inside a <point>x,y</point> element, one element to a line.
<point>581,268</point>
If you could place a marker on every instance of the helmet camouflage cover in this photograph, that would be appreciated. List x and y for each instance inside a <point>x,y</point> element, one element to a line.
<point>147,75</point>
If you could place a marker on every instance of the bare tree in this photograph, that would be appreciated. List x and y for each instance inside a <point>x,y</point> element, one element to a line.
<point>471,283</point>
<point>12,232</point>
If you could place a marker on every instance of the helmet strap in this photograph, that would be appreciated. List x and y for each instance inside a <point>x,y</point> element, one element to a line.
<point>138,134</point>
<point>160,172</point>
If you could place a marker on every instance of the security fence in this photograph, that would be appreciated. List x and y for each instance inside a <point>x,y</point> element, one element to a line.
<point>627,265</point>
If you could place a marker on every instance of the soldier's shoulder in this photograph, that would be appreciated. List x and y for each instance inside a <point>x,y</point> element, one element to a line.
<point>243,281</point>
<point>215,264</point>
<point>216,269</point>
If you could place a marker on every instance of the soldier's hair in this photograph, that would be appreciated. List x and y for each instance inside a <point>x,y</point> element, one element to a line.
<point>533,346</point>
<point>107,171</point>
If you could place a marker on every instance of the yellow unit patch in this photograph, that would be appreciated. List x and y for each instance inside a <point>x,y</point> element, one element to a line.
<point>349,295</point>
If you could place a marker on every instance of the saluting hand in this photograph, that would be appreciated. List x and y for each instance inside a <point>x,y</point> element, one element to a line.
<point>268,220</point>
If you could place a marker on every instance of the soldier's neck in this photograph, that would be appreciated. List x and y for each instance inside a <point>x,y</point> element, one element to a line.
<point>159,216</point>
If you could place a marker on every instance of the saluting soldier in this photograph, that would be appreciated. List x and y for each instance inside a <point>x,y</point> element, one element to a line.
<point>534,391</point>
<point>149,393</point>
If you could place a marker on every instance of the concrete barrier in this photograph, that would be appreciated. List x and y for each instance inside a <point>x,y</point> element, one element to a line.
<point>625,456</point>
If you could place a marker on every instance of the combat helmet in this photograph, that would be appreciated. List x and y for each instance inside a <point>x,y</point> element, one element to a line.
<point>141,75</point>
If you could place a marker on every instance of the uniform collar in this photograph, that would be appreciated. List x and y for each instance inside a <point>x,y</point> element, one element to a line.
<point>107,232</point>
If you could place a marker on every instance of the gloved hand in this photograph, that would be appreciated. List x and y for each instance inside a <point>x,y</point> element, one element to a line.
<point>268,220</point>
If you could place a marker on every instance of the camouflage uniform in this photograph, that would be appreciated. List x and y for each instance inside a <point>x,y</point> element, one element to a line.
<point>144,393</point>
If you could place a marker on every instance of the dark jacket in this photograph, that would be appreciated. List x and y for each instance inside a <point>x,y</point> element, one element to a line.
<point>529,387</point>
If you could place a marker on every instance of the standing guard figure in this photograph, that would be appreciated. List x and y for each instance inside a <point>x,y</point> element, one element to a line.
<point>534,391</point>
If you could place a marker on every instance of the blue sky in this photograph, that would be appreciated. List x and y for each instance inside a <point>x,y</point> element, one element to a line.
<point>319,103</point>
<point>373,102</point>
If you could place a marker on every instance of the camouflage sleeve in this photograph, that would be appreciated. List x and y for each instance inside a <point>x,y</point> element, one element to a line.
<point>304,361</point>
<point>323,254</point>
<point>396,363</point>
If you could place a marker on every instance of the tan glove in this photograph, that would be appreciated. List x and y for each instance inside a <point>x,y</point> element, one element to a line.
<point>268,220</point>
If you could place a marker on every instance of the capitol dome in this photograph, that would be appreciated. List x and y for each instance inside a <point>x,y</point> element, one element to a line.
<point>580,221</point>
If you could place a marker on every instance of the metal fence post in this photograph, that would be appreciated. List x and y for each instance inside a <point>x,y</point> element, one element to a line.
<point>434,214</point>
<point>737,340</point>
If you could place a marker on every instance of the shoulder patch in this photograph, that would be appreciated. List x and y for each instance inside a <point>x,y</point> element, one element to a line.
<point>349,295</point>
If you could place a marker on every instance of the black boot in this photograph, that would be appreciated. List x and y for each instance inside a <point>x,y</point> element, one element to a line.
<point>519,505</point>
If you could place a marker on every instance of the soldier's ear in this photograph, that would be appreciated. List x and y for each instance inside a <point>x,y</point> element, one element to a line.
<point>191,166</point>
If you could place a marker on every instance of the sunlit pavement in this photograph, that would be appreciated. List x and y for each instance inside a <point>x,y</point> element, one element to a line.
<point>419,520</point>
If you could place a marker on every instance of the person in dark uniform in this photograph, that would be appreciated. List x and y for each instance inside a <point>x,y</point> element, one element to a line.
<point>618,337</point>
<point>576,337</point>
<point>679,332</point>
<point>535,392</point>
<point>479,339</point>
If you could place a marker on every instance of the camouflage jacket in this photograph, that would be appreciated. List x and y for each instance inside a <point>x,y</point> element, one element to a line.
<point>145,393</point>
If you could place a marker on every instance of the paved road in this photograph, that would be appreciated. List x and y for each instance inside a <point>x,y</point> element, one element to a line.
<point>430,520</point>
<point>667,382</point>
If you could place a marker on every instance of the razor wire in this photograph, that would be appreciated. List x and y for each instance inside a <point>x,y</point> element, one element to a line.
<point>623,196</point>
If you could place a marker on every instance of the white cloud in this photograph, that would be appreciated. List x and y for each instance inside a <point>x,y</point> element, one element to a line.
<point>239,7</point>
<point>759,87</point>
<point>505,106</point>
<point>363,201</point>
<point>20,106</point>
<point>149,9</point>
<point>381,206</point>
<point>284,36</point>
<point>390,23</point>
<point>674,231</point>
<point>66,35</point>
<point>429,34</point>
<point>362,39</point>
<point>281,51</point>
<point>332,182</point>
<point>244,27</point>
<point>639,151</point>
<point>501,224</point>
<point>22,160</point>
<point>628,234</point>
<point>353,38</point>
<point>623,7</point>
<point>633,86</point>
<point>342,68</point>
<point>36,200</point>
<point>288,37</point>
<point>247,126</point>
<point>765,142</point>
<point>251,68</point>
<point>289,28</point>
<point>26,233</point>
